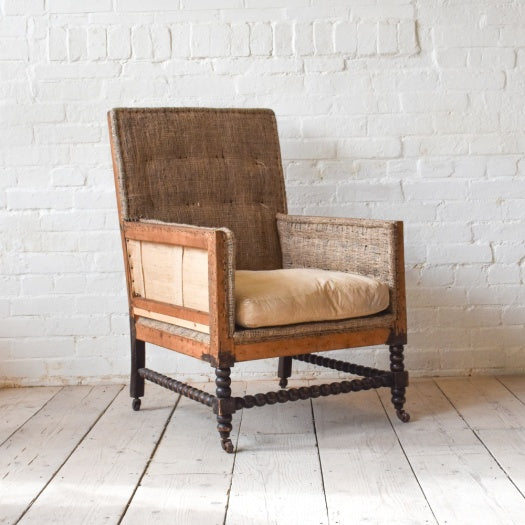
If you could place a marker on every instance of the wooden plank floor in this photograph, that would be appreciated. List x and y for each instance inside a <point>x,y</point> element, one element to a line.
<point>80,455</point>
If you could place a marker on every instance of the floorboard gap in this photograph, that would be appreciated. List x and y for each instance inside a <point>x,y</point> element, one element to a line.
<point>482,442</point>
<point>232,471</point>
<point>152,455</point>
<point>508,389</point>
<point>32,416</point>
<point>408,460</point>
<point>320,462</point>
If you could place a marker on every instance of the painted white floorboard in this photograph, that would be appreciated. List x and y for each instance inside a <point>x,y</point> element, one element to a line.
<point>508,449</point>
<point>17,405</point>
<point>76,455</point>
<point>188,479</point>
<point>277,476</point>
<point>484,402</point>
<point>99,478</point>
<point>367,478</point>
<point>500,426</point>
<point>193,499</point>
<point>461,481</point>
<point>277,481</point>
<point>31,456</point>
<point>516,384</point>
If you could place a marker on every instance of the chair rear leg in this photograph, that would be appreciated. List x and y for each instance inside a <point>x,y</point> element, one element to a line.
<point>224,418</point>
<point>138,360</point>
<point>284,370</point>
<point>399,388</point>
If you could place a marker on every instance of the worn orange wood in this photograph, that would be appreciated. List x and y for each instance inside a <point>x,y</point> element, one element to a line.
<point>176,321</point>
<point>221,341</point>
<point>304,345</point>
<point>167,234</point>
<point>172,310</point>
<point>174,342</point>
<point>400,326</point>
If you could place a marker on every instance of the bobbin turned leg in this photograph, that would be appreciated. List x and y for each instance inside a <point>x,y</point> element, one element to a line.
<point>400,381</point>
<point>138,360</point>
<point>284,370</point>
<point>225,407</point>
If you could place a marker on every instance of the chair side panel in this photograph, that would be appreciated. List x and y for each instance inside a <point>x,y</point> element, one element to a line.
<point>372,248</point>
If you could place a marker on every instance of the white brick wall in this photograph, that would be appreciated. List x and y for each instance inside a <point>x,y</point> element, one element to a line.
<point>405,109</point>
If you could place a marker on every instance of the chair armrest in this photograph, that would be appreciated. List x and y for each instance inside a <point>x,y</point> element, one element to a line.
<point>182,275</point>
<point>367,247</point>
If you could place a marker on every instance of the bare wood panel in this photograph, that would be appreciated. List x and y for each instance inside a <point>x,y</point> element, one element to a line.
<point>189,477</point>
<point>162,270</point>
<point>460,478</point>
<point>171,310</point>
<point>17,405</point>
<point>366,475</point>
<point>169,274</point>
<point>167,234</point>
<point>32,456</point>
<point>156,271</point>
<point>284,347</point>
<point>172,320</point>
<point>97,481</point>
<point>195,293</point>
<point>134,262</point>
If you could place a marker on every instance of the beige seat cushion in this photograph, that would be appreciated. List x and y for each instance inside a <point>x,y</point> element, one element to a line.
<point>281,297</point>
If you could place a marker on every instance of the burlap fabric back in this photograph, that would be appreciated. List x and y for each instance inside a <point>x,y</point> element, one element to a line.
<point>206,167</point>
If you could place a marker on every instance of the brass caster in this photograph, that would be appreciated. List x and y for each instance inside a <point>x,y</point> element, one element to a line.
<point>227,445</point>
<point>135,404</point>
<point>403,416</point>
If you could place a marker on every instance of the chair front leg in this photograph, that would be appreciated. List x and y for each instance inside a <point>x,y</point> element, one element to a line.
<point>400,380</point>
<point>138,360</point>
<point>224,416</point>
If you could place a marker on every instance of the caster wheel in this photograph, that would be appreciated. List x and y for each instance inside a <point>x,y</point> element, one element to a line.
<point>283,383</point>
<point>135,404</point>
<point>403,416</point>
<point>227,445</point>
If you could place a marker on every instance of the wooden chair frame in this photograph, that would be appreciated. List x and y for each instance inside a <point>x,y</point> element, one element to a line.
<point>219,345</point>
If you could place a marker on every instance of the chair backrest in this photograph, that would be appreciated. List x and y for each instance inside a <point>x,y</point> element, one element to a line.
<point>205,167</point>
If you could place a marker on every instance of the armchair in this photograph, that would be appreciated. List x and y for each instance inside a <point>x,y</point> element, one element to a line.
<point>206,238</point>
